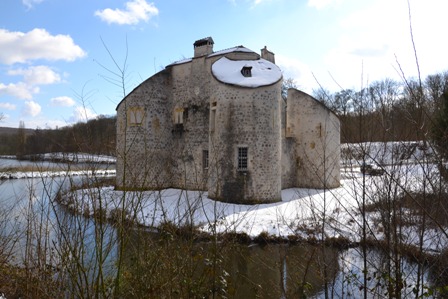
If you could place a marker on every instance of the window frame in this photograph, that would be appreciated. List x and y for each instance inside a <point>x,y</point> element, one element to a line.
<point>242,158</point>
<point>179,116</point>
<point>205,159</point>
<point>135,116</point>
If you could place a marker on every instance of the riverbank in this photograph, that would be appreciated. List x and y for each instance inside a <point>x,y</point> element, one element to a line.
<point>9,175</point>
<point>309,214</point>
<point>57,165</point>
<point>60,157</point>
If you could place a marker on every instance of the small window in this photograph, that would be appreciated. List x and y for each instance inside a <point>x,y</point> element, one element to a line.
<point>205,159</point>
<point>178,116</point>
<point>319,128</point>
<point>136,116</point>
<point>246,71</point>
<point>242,158</point>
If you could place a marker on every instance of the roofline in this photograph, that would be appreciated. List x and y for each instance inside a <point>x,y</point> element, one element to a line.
<point>236,49</point>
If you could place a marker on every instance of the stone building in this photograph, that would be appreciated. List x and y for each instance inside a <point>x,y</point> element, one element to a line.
<point>218,122</point>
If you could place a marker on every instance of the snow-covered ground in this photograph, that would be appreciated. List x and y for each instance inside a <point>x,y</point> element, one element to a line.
<point>387,153</point>
<point>5,175</point>
<point>307,213</point>
<point>302,212</point>
<point>70,157</point>
<point>77,158</point>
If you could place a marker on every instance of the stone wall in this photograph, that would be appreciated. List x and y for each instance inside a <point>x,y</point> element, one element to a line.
<point>190,93</point>
<point>143,135</point>
<point>246,117</point>
<point>316,132</point>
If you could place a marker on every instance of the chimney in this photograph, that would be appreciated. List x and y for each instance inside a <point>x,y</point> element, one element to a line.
<point>203,47</point>
<point>268,55</point>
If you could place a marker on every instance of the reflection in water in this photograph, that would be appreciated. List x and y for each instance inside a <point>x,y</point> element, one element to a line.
<point>230,269</point>
<point>385,277</point>
<point>276,271</point>
<point>38,234</point>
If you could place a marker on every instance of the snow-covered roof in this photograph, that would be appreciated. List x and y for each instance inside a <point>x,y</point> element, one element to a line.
<point>221,52</point>
<point>263,72</point>
<point>179,62</point>
<point>231,50</point>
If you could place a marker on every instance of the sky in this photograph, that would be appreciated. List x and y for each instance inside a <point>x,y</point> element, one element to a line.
<point>62,61</point>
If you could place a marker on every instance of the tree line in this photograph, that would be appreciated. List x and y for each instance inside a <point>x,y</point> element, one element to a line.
<point>96,136</point>
<point>389,110</point>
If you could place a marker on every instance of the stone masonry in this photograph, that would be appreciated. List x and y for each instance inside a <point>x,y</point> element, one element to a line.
<point>217,122</point>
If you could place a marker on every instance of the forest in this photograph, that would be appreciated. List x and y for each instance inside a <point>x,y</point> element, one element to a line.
<point>96,136</point>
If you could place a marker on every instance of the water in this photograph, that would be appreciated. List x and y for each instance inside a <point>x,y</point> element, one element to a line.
<point>36,231</point>
<point>32,223</point>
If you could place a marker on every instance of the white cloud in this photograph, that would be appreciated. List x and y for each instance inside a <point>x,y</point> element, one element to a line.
<point>320,4</point>
<point>37,75</point>
<point>32,76</point>
<point>82,114</point>
<point>18,90</point>
<point>367,44</point>
<point>135,11</point>
<point>30,3</point>
<point>7,106</point>
<point>19,47</point>
<point>63,101</point>
<point>31,108</point>
<point>253,3</point>
<point>297,70</point>
<point>376,36</point>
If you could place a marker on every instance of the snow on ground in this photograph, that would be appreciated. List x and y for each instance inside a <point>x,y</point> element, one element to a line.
<point>387,153</point>
<point>78,158</point>
<point>69,157</point>
<point>301,211</point>
<point>6,175</point>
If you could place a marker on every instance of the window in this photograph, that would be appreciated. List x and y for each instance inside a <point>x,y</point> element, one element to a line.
<point>136,116</point>
<point>178,116</point>
<point>242,158</point>
<point>205,159</point>
<point>246,71</point>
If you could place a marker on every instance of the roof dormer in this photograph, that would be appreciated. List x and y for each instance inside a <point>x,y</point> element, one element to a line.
<point>246,71</point>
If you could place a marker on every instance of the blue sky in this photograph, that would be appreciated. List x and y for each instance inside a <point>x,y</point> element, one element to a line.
<point>55,69</point>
